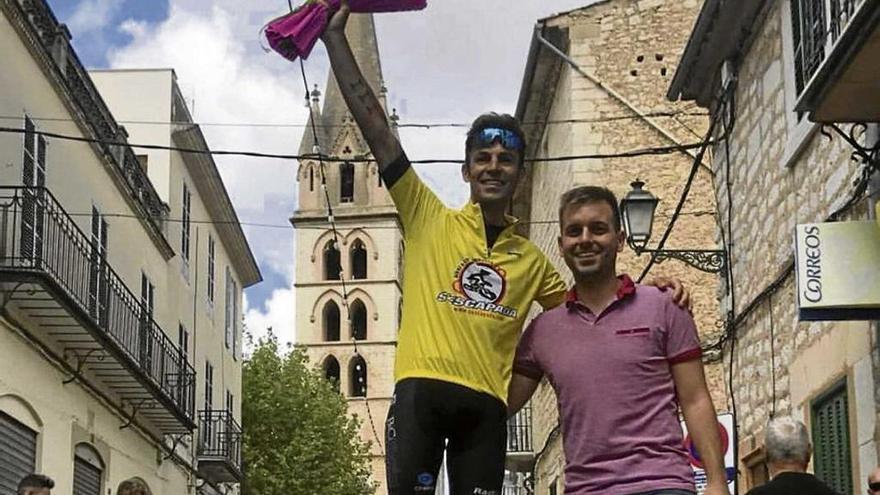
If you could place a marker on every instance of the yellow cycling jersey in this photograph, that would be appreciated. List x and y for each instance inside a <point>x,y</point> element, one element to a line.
<point>464,304</point>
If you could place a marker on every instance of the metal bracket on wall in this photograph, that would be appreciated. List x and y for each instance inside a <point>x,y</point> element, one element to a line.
<point>175,441</point>
<point>134,410</point>
<point>707,260</point>
<point>868,154</point>
<point>7,295</point>
<point>81,362</point>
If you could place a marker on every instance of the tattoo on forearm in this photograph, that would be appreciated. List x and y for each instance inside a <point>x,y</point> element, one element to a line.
<point>362,92</point>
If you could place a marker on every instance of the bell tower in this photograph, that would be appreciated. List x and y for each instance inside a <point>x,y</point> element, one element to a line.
<point>348,282</point>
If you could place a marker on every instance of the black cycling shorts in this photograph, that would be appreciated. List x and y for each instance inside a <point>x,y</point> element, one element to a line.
<point>427,416</point>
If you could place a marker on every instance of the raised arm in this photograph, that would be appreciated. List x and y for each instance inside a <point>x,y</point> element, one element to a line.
<point>361,101</point>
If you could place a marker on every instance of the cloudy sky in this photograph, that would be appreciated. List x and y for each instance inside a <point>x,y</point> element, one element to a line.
<point>446,64</point>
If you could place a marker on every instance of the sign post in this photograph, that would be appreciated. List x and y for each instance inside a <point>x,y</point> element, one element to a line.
<point>725,429</point>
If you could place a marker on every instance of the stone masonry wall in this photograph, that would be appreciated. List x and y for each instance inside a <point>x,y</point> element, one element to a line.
<point>769,198</point>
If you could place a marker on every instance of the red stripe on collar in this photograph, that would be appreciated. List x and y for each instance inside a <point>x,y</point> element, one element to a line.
<point>625,288</point>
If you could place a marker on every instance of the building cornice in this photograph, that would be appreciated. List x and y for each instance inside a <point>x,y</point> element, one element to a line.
<point>49,43</point>
<point>209,184</point>
<point>343,217</point>
<point>723,31</point>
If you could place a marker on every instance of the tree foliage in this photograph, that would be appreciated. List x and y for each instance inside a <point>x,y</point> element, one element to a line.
<point>298,436</point>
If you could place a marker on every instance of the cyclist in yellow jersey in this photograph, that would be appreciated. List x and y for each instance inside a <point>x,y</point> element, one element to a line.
<point>468,285</point>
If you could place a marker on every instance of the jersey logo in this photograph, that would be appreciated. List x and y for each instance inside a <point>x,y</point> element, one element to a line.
<point>479,288</point>
<point>482,282</point>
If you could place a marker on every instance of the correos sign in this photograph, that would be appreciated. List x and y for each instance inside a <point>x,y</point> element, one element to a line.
<point>838,270</point>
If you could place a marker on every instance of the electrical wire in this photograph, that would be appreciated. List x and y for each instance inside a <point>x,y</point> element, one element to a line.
<point>411,125</point>
<point>332,221</point>
<point>661,150</point>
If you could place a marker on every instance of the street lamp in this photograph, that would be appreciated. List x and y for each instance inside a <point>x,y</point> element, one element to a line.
<point>637,209</point>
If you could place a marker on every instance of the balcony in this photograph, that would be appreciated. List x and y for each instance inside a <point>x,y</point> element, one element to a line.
<point>57,283</point>
<point>219,447</point>
<point>520,454</point>
<point>837,59</point>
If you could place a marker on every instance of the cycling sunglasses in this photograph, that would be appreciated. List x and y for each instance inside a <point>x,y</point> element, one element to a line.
<point>509,139</point>
<point>874,487</point>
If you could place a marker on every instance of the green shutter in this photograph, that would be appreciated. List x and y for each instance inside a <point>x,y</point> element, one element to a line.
<point>832,460</point>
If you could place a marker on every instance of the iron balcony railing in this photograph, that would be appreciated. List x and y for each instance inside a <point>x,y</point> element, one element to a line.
<point>515,490</point>
<point>38,238</point>
<point>816,27</point>
<point>219,442</point>
<point>519,431</point>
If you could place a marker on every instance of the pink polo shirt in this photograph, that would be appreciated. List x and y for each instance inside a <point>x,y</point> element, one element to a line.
<point>611,373</point>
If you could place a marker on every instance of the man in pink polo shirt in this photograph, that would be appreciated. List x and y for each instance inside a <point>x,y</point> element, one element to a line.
<point>622,358</point>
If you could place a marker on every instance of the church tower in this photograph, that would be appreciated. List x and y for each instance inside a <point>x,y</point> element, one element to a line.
<point>348,283</point>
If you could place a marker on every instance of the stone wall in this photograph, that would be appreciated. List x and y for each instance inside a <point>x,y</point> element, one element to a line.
<point>783,173</point>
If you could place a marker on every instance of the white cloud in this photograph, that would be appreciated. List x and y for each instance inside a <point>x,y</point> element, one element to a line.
<point>92,15</point>
<point>279,316</point>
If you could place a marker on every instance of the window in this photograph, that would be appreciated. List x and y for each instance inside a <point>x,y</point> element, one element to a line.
<point>209,386</point>
<point>98,277</point>
<point>186,207</point>
<point>148,302</point>
<point>230,308</point>
<point>831,458</point>
<point>346,182</point>
<point>230,403</point>
<point>311,179</point>
<point>88,470</point>
<point>33,175</point>
<point>18,452</point>
<point>358,376</point>
<point>358,320</point>
<point>331,371</point>
<point>330,321</point>
<point>332,262</point>
<point>183,343</point>
<point>211,269</point>
<point>358,260</point>
<point>815,27</point>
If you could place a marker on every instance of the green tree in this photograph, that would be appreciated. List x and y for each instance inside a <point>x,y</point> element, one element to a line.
<point>298,436</point>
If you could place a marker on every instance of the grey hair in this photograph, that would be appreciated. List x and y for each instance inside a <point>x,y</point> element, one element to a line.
<point>786,439</point>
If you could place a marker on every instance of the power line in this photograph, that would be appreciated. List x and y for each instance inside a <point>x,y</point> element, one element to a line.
<point>411,125</point>
<point>332,220</point>
<point>653,151</point>
<point>285,226</point>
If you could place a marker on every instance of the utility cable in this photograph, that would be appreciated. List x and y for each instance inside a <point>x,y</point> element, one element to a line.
<point>661,150</point>
<point>411,125</point>
<point>331,219</point>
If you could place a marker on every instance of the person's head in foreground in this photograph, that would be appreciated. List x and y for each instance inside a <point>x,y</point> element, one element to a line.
<point>35,484</point>
<point>494,154</point>
<point>788,446</point>
<point>590,233</point>
<point>132,487</point>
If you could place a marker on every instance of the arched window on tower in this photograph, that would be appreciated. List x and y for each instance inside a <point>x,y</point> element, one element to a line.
<point>358,375</point>
<point>332,258</point>
<point>358,320</point>
<point>330,322</point>
<point>311,179</point>
<point>331,371</point>
<point>346,182</point>
<point>358,260</point>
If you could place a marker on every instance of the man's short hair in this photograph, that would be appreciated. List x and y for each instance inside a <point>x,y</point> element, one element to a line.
<point>590,194</point>
<point>492,119</point>
<point>35,481</point>
<point>786,439</point>
<point>132,487</point>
